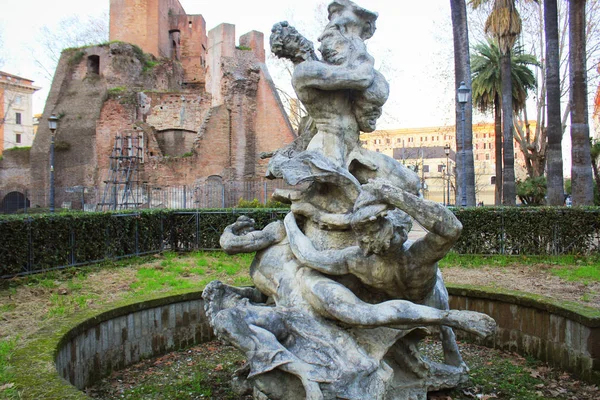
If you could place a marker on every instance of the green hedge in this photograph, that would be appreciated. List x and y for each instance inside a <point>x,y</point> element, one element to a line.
<point>41,242</point>
<point>531,231</point>
<point>47,241</point>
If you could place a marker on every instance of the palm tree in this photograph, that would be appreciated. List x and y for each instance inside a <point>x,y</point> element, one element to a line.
<point>462,72</point>
<point>504,24</point>
<point>555,182</point>
<point>581,174</point>
<point>487,90</point>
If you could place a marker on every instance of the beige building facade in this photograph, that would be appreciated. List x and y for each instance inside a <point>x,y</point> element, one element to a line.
<point>423,150</point>
<point>16,116</point>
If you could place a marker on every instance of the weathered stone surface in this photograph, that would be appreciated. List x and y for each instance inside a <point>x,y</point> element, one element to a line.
<point>206,108</point>
<point>341,297</point>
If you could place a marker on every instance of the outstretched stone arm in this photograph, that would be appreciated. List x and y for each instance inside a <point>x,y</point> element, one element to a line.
<point>443,227</point>
<point>240,237</point>
<point>323,218</point>
<point>332,262</point>
<point>319,75</point>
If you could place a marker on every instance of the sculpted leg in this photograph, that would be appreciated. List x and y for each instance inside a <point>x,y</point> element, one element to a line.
<point>335,301</point>
<point>439,299</point>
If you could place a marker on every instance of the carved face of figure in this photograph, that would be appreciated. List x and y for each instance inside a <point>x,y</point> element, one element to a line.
<point>378,235</point>
<point>366,114</point>
<point>375,237</point>
<point>335,47</point>
<point>286,42</point>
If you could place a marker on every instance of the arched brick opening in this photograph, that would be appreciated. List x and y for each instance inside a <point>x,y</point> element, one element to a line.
<point>13,202</point>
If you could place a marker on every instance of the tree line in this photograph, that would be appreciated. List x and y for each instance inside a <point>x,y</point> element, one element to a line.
<point>551,63</point>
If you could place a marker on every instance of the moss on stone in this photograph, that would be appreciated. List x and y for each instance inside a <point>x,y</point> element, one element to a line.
<point>585,315</point>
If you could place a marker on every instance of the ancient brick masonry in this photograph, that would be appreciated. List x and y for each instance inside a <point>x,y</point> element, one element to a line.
<point>204,106</point>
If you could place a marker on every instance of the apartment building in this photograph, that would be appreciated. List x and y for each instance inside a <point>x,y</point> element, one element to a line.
<point>431,152</point>
<point>16,116</point>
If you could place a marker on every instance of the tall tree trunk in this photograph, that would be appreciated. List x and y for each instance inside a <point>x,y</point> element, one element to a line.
<point>581,172</point>
<point>554,129</point>
<point>462,72</point>
<point>508,182</point>
<point>498,149</point>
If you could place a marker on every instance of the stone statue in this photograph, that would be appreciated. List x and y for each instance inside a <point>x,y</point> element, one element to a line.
<point>341,297</point>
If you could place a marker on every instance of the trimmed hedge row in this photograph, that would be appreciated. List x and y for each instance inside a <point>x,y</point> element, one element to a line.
<point>36,243</point>
<point>530,231</point>
<point>42,242</point>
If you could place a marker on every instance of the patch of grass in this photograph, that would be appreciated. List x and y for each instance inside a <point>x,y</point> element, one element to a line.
<point>76,57</point>
<point>68,303</point>
<point>117,90</point>
<point>7,347</point>
<point>19,148</point>
<point>506,377</point>
<point>584,273</point>
<point>477,261</point>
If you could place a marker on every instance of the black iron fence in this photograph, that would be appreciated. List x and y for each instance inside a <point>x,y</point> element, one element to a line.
<point>212,194</point>
<point>529,230</point>
<point>36,243</point>
<point>45,243</point>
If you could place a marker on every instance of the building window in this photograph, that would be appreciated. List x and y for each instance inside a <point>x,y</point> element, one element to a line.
<point>363,142</point>
<point>487,157</point>
<point>425,168</point>
<point>18,138</point>
<point>18,100</point>
<point>377,150</point>
<point>18,118</point>
<point>493,180</point>
<point>388,141</point>
<point>441,168</point>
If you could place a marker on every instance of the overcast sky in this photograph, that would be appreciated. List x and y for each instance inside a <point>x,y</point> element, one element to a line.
<point>412,45</point>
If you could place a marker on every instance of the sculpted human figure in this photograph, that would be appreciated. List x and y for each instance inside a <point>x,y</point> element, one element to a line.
<point>383,259</point>
<point>343,110</point>
<point>341,298</point>
<point>325,86</point>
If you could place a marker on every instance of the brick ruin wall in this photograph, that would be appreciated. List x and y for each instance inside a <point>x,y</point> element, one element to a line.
<point>210,116</point>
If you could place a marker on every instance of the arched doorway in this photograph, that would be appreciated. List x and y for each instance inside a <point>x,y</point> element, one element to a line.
<point>13,202</point>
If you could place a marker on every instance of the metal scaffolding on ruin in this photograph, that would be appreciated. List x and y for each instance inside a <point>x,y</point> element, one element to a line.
<point>122,189</point>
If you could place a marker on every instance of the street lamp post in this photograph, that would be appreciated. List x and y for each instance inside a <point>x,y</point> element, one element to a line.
<point>444,184</point>
<point>52,124</point>
<point>447,151</point>
<point>463,96</point>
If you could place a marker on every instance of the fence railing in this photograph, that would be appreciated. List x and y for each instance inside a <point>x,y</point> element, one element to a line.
<point>31,244</point>
<point>36,245</point>
<point>207,195</point>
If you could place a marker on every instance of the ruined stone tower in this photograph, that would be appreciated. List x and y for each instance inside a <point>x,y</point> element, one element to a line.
<point>205,106</point>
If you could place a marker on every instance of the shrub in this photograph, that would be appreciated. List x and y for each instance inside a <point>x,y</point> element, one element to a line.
<point>523,230</point>
<point>243,203</point>
<point>34,243</point>
<point>532,191</point>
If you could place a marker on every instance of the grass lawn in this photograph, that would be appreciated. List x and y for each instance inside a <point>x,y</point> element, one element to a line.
<point>30,303</point>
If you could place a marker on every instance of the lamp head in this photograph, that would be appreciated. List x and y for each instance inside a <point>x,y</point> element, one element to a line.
<point>53,122</point>
<point>463,93</point>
